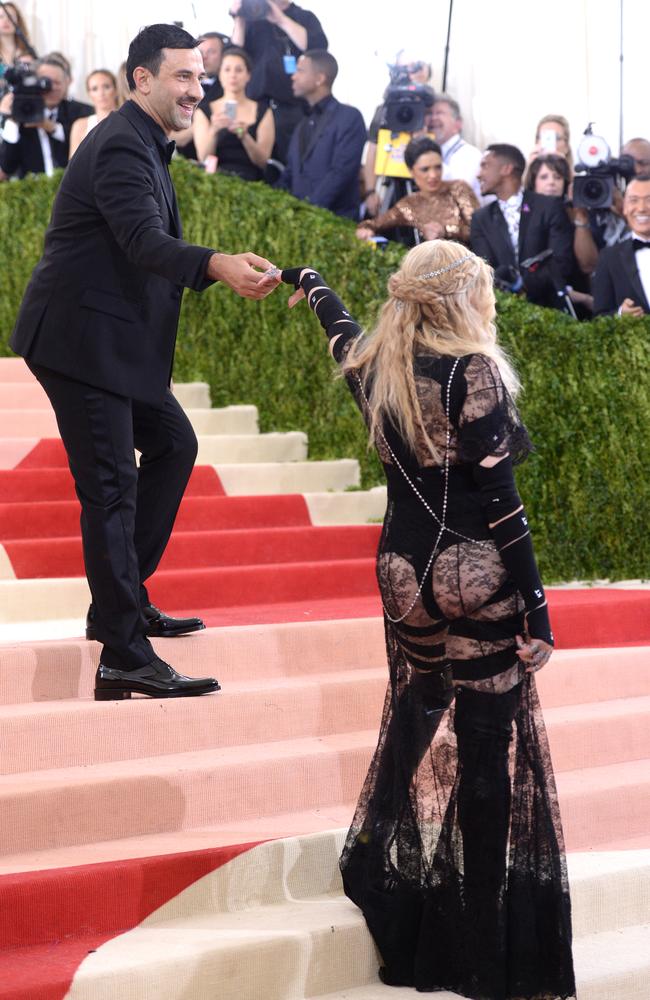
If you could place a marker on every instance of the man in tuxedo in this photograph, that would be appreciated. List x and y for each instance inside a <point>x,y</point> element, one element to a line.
<point>519,225</point>
<point>41,147</point>
<point>325,149</point>
<point>97,326</point>
<point>621,283</point>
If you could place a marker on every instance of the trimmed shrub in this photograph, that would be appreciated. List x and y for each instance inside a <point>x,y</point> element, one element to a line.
<point>586,396</point>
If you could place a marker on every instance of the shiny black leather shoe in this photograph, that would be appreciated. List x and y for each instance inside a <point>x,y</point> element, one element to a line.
<point>159,625</point>
<point>156,679</point>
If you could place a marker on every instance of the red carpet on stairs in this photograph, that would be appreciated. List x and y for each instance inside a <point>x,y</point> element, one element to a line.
<point>50,920</point>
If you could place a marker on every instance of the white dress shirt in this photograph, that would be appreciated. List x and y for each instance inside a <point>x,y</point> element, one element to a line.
<point>511,209</point>
<point>460,162</point>
<point>11,135</point>
<point>642,259</point>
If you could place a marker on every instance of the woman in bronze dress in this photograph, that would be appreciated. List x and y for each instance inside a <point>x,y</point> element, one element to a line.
<point>439,210</point>
<point>455,852</point>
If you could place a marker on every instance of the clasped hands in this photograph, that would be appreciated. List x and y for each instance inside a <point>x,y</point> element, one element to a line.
<point>252,276</point>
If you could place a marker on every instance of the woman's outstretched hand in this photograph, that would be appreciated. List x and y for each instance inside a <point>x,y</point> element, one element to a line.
<point>293,276</point>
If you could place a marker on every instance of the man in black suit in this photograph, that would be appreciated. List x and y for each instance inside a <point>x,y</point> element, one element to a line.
<point>41,147</point>
<point>519,225</point>
<point>97,326</point>
<point>621,283</point>
<point>326,148</point>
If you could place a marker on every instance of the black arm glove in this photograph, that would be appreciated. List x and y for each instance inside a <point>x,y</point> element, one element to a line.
<point>324,303</point>
<point>498,497</point>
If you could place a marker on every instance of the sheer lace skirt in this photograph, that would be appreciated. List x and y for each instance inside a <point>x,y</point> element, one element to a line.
<point>455,854</point>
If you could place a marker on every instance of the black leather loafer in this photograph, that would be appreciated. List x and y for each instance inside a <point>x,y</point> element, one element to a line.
<point>156,679</point>
<point>159,625</point>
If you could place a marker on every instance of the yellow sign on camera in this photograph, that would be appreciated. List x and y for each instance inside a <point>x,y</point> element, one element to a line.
<point>389,161</point>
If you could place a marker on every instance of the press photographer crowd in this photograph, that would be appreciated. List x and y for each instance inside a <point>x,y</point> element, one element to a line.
<point>569,235</point>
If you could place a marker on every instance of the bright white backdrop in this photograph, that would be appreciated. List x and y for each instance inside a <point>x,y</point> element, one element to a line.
<point>511,61</point>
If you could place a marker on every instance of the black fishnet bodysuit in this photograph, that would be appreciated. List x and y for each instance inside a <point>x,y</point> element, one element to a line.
<point>455,854</point>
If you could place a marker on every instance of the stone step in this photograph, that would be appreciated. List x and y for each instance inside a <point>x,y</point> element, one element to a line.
<point>211,587</point>
<point>14,370</point>
<point>275,915</point>
<point>272,447</point>
<point>354,507</point>
<point>313,478</point>
<point>60,734</point>
<point>29,423</point>
<point>192,550</point>
<point>193,395</point>
<point>76,805</point>
<point>58,670</point>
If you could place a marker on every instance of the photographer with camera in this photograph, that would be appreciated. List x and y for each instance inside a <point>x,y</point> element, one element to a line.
<point>275,33</point>
<point>621,283</point>
<point>526,237</point>
<point>414,75</point>
<point>36,133</point>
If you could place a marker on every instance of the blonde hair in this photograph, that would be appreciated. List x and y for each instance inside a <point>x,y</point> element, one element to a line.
<point>441,302</point>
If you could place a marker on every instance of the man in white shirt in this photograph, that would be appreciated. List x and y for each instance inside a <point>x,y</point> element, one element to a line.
<point>40,147</point>
<point>460,160</point>
<point>621,283</point>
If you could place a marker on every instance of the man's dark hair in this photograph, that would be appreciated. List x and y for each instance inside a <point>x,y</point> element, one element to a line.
<point>146,48</point>
<point>639,177</point>
<point>323,62</point>
<point>417,147</point>
<point>510,154</point>
<point>558,164</point>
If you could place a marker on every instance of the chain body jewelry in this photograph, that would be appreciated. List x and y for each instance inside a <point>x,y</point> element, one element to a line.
<point>441,521</point>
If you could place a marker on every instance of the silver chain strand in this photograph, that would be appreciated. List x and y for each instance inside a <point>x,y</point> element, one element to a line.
<point>442,522</point>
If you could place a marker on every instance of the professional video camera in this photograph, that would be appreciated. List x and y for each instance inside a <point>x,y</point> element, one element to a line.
<point>598,172</point>
<point>254,10</point>
<point>28,90</point>
<point>405,103</point>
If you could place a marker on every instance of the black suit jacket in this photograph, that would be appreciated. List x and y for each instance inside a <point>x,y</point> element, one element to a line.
<point>324,158</point>
<point>103,302</point>
<point>617,278</point>
<point>26,156</point>
<point>543,224</point>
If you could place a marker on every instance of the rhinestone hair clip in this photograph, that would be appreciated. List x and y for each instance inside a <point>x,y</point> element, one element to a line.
<point>449,267</point>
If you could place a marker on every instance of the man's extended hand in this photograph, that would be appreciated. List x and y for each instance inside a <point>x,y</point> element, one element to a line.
<point>244,273</point>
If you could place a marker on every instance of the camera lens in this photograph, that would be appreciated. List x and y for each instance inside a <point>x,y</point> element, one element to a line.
<point>594,190</point>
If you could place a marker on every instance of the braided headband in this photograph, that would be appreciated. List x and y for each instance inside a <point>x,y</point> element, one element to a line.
<point>441,270</point>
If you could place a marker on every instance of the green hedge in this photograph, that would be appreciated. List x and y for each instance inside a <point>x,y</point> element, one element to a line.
<point>587,385</point>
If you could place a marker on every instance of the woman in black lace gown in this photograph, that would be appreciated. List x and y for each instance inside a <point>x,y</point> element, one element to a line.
<point>455,854</point>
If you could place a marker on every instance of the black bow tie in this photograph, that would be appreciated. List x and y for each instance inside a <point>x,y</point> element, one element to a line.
<point>168,151</point>
<point>641,245</point>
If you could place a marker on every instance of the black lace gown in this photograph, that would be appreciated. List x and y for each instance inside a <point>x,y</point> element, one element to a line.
<point>455,854</point>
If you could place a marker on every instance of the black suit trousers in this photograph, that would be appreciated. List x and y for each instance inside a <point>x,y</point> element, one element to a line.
<point>127,511</point>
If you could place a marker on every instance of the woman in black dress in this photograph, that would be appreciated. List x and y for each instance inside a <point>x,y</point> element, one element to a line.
<point>239,131</point>
<point>455,854</point>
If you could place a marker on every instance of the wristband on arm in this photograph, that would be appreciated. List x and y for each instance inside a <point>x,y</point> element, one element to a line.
<point>504,510</point>
<point>324,303</point>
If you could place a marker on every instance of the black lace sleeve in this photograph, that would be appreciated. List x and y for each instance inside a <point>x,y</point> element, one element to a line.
<point>326,307</point>
<point>489,422</point>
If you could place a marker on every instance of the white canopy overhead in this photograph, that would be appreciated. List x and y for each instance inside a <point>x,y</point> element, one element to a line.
<point>510,61</point>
